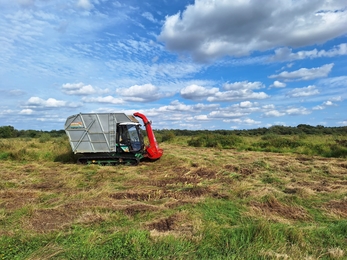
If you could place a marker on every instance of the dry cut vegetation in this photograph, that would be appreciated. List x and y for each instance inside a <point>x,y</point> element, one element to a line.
<point>193,203</point>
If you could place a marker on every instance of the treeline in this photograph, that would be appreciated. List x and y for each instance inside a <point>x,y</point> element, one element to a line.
<point>11,132</point>
<point>167,134</point>
<point>277,130</point>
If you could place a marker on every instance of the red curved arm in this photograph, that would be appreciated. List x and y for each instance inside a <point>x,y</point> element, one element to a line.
<point>153,150</point>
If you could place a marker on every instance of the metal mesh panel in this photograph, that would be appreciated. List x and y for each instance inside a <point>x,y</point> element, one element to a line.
<point>94,132</point>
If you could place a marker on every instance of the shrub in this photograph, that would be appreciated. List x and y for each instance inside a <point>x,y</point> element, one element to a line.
<point>275,141</point>
<point>337,151</point>
<point>168,136</point>
<point>196,142</point>
<point>45,137</point>
<point>216,140</point>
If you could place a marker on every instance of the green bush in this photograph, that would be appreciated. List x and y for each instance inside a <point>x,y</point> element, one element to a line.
<point>336,151</point>
<point>216,140</point>
<point>168,136</point>
<point>275,141</point>
<point>45,137</point>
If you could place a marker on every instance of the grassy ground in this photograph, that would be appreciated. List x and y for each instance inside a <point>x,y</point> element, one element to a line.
<point>193,203</point>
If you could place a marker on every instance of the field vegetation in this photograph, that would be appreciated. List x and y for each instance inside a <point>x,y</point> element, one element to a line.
<point>213,195</point>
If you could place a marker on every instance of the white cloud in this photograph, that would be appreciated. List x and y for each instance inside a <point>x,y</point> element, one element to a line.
<point>179,106</point>
<point>78,89</point>
<point>303,92</point>
<point>304,73</point>
<point>49,103</point>
<point>201,118</point>
<point>269,106</point>
<point>85,4</point>
<point>278,84</point>
<point>235,91</point>
<point>235,95</point>
<point>297,111</point>
<point>212,29</point>
<point>328,103</point>
<point>149,17</point>
<point>202,107</point>
<point>195,92</point>
<point>339,98</point>
<point>249,121</point>
<point>244,104</point>
<point>318,107</point>
<point>290,111</point>
<point>334,82</point>
<point>286,54</point>
<point>175,106</point>
<point>243,85</point>
<point>107,99</point>
<point>142,93</point>
<point>226,114</point>
<point>6,112</point>
<point>273,113</point>
<point>246,121</point>
<point>236,120</point>
<point>325,104</point>
<point>26,112</point>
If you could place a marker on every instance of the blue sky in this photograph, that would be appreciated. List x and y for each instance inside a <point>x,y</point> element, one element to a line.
<point>203,64</point>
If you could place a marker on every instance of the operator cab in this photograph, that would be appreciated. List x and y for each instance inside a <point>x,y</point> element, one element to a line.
<point>129,137</point>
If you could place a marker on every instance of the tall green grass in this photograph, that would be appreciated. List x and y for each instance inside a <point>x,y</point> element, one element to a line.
<point>44,148</point>
<point>325,146</point>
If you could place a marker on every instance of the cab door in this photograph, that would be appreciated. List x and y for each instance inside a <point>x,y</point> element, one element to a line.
<point>130,138</point>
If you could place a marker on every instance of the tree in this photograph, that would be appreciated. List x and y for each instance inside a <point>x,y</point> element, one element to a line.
<point>7,132</point>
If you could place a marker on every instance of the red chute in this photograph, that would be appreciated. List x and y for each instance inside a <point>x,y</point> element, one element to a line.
<point>153,150</point>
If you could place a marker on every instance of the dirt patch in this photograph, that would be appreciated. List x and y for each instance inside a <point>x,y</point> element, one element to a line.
<point>274,207</point>
<point>246,171</point>
<point>177,224</point>
<point>337,207</point>
<point>238,169</point>
<point>304,159</point>
<point>290,190</point>
<point>90,218</point>
<point>315,186</point>
<point>232,168</point>
<point>180,170</point>
<point>45,220</point>
<point>29,168</point>
<point>176,181</point>
<point>12,200</point>
<point>191,192</point>
<point>135,196</point>
<point>52,185</point>
<point>177,203</point>
<point>204,173</point>
<point>163,225</point>
<point>194,192</point>
<point>133,210</point>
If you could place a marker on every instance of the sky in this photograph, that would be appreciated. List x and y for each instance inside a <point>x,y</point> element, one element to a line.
<point>185,64</point>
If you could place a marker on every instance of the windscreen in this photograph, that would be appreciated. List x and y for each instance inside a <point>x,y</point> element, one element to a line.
<point>131,137</point>
<point>134,137</point>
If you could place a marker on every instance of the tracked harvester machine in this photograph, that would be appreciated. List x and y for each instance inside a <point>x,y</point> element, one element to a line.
<point>110,138</point>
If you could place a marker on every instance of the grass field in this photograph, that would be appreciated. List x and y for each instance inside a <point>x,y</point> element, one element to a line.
<point>193,203</point>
